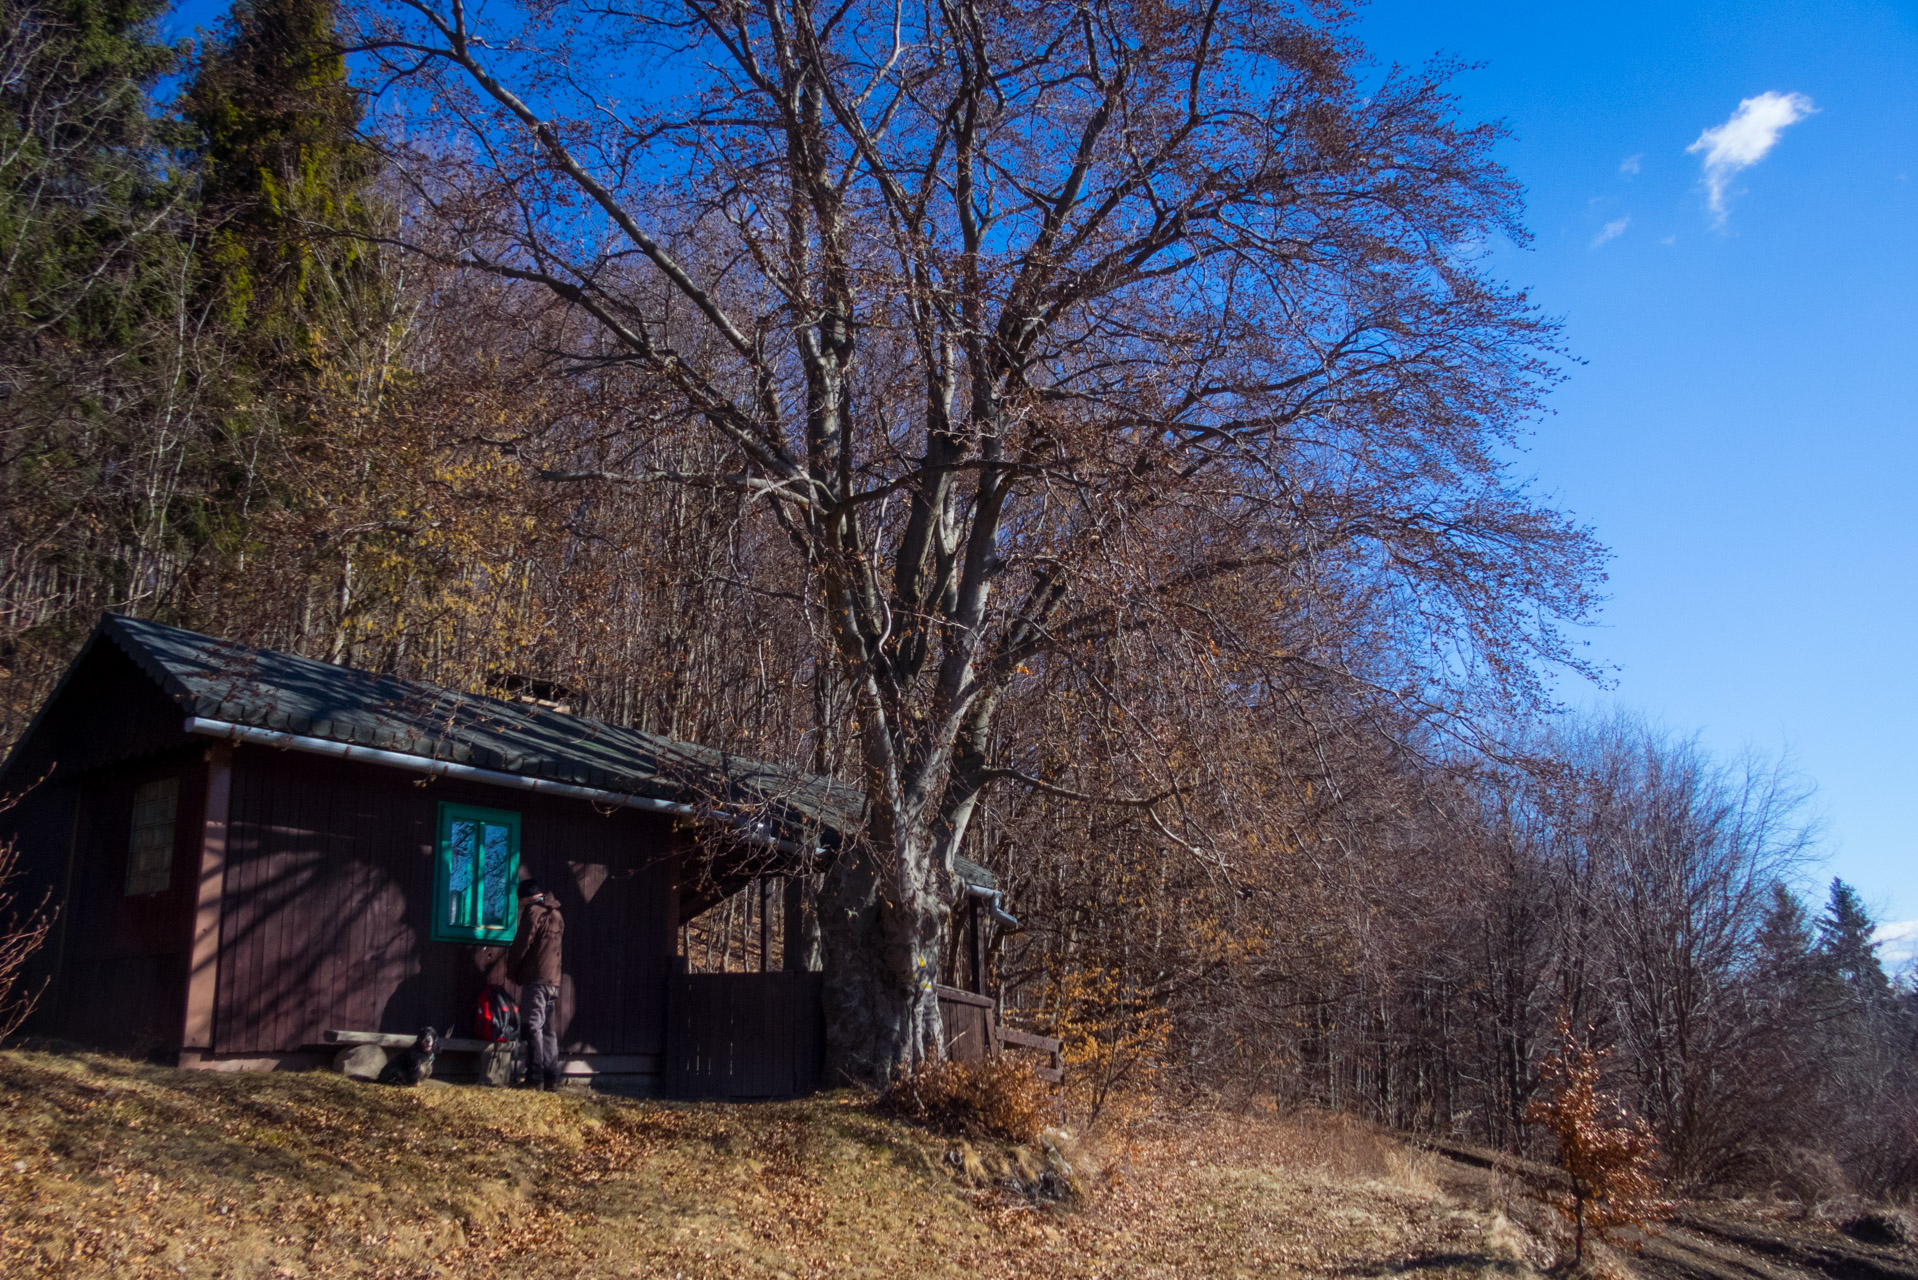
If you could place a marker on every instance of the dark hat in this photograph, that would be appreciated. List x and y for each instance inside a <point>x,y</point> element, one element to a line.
<point>529,888</point>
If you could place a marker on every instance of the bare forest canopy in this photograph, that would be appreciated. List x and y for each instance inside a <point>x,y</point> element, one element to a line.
<point>1088,429</point>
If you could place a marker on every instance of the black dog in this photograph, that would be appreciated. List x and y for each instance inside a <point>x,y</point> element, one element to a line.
<point>416,1063</point>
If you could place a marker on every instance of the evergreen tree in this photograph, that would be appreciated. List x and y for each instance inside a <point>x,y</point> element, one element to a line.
<point>1846,949</point>
<point>102,358</point>
<point>284,174</point>
<point>287,185</point>
<point>186,302</point>
<point>86,182</point>
<point>1784,939</point>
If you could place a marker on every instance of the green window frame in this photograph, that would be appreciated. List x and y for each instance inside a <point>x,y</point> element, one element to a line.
<point>475,874</point>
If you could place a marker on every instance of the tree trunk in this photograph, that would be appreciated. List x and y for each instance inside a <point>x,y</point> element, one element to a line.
<point>881,963</point>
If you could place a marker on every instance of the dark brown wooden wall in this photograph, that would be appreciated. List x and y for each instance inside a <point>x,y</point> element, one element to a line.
<point>106,710</point>
<point>123,961</point>
<point>40,827</point>
<point>113,972</point>
<point>325,908</point>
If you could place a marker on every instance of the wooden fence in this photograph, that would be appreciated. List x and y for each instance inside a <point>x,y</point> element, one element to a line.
<point>1054,1067</point>
<point>973,1033</point>
<point>762,1035</point>
<point>743,1035</point>
<point>968,1024</point>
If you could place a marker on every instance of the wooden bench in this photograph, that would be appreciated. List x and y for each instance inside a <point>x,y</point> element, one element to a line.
<point>396,1040</point>
<point>362,1054</point>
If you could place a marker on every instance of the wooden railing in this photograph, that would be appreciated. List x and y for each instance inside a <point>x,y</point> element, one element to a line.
<point>972,1034</point>
<point>1051,1046</point>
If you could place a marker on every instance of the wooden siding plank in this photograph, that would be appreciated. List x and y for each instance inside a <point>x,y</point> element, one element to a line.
<point>238,1034</point>
<point>306,932</point>
<point>335,871</point>
<point>239,832</point>
<point>235,1031</point>
<point>245,1025</point>
<point>409,971</point>
<point>271,995</point>
<point>390,918</point>
<point>385,934</point>
<point>266,890</point>
<point>283,985</point>
<point>310,934</point>
<point>344,1003</point>
<point>259,869</point>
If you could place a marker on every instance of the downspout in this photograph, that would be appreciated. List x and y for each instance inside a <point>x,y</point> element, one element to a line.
<point>994,904</point>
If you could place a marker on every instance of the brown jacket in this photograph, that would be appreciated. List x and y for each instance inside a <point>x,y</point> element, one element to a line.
<point>535,954</point>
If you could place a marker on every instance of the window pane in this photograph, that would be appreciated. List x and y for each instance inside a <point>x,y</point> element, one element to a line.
<point>460,861</point>
<point>478,859</point>
<point>150,847</point>
<point>496,867</point>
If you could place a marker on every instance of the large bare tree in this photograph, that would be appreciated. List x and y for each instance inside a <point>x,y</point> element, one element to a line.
<point>1035,327</point>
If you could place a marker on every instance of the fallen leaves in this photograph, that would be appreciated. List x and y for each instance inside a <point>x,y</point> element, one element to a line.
<point>311,1176</point>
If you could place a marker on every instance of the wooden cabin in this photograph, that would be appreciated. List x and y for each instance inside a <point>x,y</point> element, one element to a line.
<point>251,852</point>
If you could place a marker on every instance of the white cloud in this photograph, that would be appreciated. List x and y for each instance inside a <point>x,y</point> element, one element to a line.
<point>1745,139</point>
<point>1613,230</point>
<point>1897,945</point>
<point>1631,164</point>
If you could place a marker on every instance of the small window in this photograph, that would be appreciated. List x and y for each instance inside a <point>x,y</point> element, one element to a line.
<point>150,847</point>
<point>477,870</point>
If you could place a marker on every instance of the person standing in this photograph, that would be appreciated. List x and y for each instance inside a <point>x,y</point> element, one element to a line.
<point>533,963</point>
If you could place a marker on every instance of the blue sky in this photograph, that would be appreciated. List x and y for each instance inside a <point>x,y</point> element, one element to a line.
<point>1744,430</point>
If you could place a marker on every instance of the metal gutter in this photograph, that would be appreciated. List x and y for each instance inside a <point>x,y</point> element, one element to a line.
<point>230,732</point>
<point>994,899</point>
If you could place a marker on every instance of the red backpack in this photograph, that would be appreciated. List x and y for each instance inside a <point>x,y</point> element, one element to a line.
<point>498,1016</point>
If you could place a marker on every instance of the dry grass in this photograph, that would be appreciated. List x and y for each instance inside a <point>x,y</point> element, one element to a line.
<point>110,1168</point>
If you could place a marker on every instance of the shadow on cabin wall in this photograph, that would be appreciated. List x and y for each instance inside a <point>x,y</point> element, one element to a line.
<point>327,915</point>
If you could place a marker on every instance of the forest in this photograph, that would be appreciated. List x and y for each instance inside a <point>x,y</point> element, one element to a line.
<point>1092,431</point>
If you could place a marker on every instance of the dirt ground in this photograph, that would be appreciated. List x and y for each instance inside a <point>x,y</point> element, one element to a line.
<point>1752,1239</point>
<point>112,1168</point>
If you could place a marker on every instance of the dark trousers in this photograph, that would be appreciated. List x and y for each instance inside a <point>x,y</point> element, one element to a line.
<point>540,1001</point>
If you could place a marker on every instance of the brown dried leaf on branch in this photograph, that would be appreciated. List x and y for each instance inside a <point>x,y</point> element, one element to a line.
<point>997,1098</point>
<point>1608,1154</point>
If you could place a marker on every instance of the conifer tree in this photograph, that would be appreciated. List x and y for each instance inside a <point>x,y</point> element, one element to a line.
<point>1784,941</point>
<point>1847,950</point>
<point>101,360</point>
<point>287,189</point>
<point>85,182</point>
<point>284,174</point>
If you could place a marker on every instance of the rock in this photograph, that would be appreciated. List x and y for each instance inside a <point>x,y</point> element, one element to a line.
<point>1881,1226</point>
<point>360,1061</point>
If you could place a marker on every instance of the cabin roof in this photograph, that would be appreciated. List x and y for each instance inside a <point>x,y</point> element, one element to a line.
<point>218,679</point>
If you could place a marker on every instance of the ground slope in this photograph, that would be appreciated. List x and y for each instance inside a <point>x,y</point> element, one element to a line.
<point>110,1168</point>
